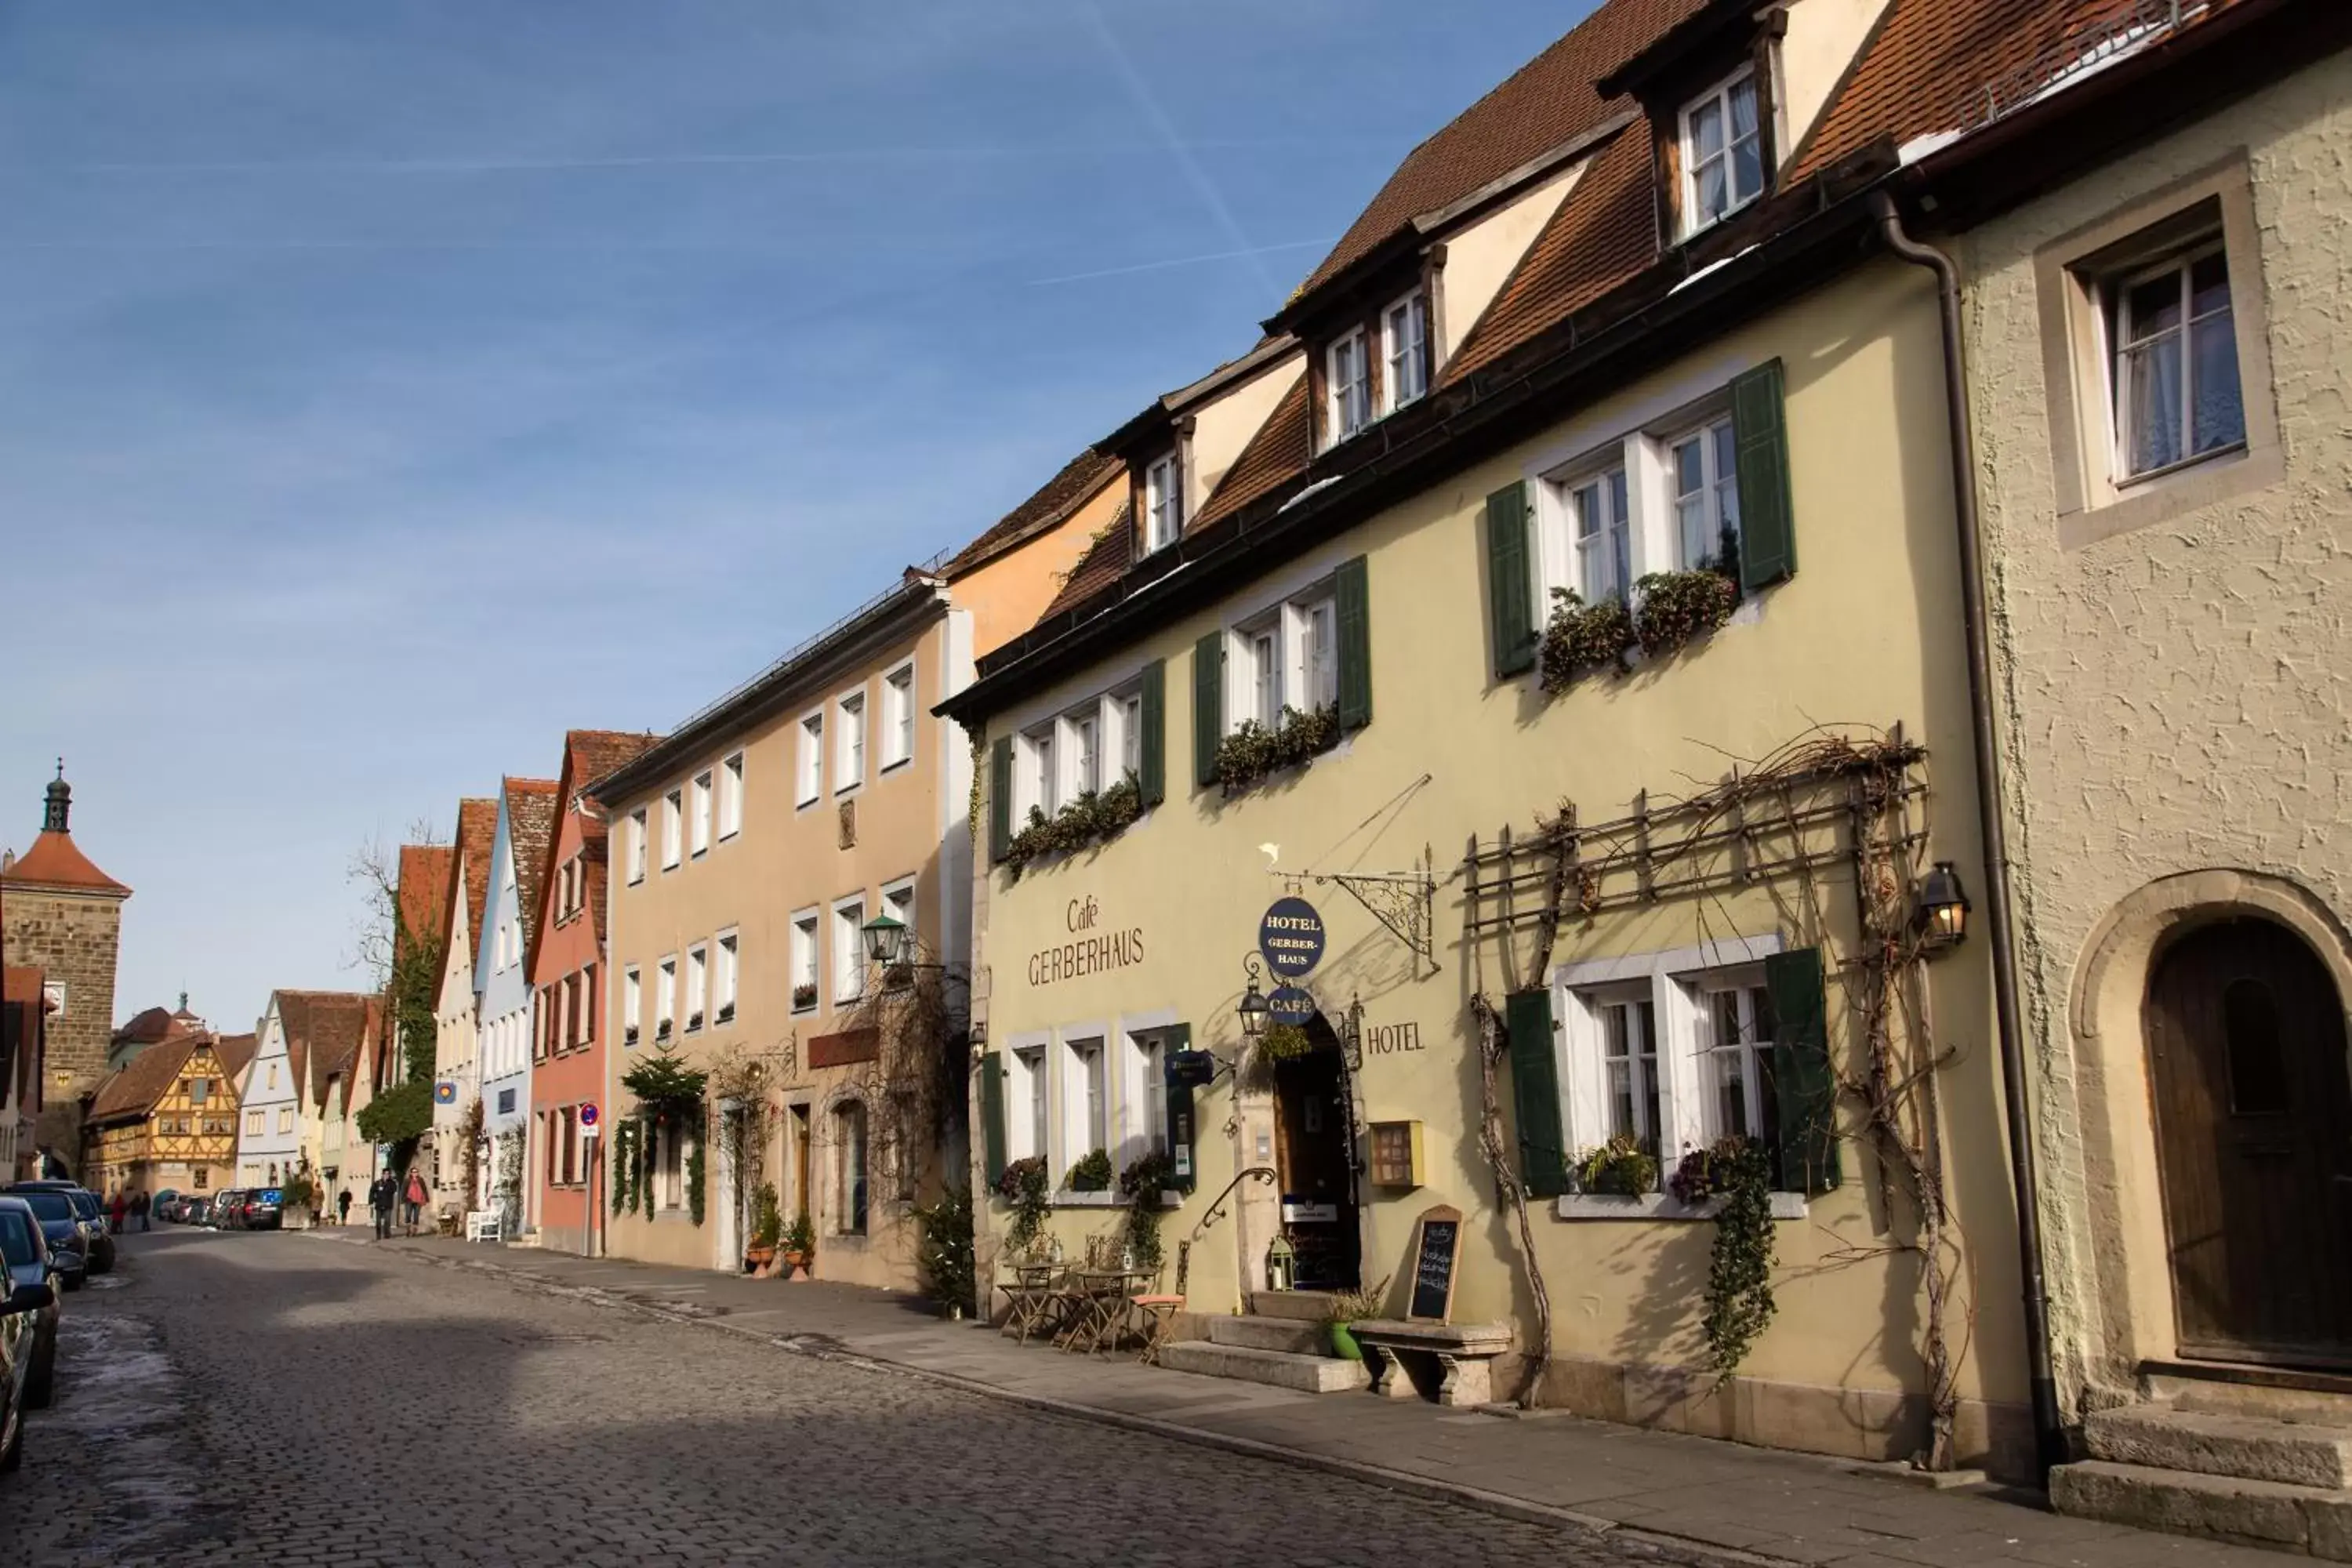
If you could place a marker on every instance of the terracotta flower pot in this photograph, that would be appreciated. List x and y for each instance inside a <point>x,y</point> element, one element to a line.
<point>756,1257</point>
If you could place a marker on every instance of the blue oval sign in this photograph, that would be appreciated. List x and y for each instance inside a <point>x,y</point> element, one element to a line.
<point>1291,937</point>
<point>1289,1005</point>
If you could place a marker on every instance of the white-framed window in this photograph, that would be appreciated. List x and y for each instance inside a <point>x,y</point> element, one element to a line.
<point>898,903</point>
<point>1348,385</point>
<point>803,961</point>
<point>1603,534</point>
<point>730,796</point>
<point>2175,389</point>
<point>1041,785</point>
<point>1722,150</point>
<point>1285,657</point>
<point>1163,502</point>
<point>701,819</point>
<point>633,1004</point>
<point>722,995</point>
<point>1703,467</point>
<point>665,996</point>
<point>636,846</point>
<point>673,828</point>
<point>1127,721</point>
<point>1029,1128</point>
<point>1144,1096</point>
<point>852,1189</point>
<point>1086,1100</point>
<point>698,976</point>
<point>1404,351</point>
<point>1672,1049</point>
<point>849,742</point>
<point>898,716</point>
<point>848,950</point>
<point>810,765</point>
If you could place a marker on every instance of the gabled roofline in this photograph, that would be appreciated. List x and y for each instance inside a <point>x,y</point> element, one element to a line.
<point>1170,406</point>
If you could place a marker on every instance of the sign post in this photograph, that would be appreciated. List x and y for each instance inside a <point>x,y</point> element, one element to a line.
<point>588,1132</point>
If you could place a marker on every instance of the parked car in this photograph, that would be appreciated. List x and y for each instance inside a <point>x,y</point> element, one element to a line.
<point>156,1204</point>
<point>265,1209</point>
<point>228,1209</point>
<point>26,1256</point>
<point>19,1339</point>
<point>99,1242</point>
<point>61,1228</point>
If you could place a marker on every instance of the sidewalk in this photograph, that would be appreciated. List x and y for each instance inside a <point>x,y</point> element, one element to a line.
<point>1682,1493</point>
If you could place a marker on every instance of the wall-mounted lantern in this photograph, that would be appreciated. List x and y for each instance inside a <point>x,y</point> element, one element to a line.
<point>1942,921</point>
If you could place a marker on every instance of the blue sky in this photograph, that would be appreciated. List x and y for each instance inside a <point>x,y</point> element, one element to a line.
<point>390,386</point>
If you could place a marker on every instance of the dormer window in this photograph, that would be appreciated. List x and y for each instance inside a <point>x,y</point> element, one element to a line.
<point>1163,502</point>
<point>1722,150</point>
<point>1347,375</point>
<point>1404,351</point>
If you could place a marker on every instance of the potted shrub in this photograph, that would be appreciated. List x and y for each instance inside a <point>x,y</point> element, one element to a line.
<point>799,1246</point>
<point>1350,1308</point>
<point>297,1200</point>
<point>1092,1174</point>
<point>944,1252</point>
<point>767,1229</point>
<point>1025,1186</point>
<point>805,996</point>
<point>1620,1168</point>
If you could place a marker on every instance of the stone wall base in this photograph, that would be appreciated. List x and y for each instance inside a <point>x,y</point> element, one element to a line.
<point>1849,1423</point>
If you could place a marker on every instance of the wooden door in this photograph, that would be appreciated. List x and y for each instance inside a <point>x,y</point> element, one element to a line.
<point>2254,1122</point>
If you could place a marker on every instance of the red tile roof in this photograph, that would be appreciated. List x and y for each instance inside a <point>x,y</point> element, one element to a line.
<point>530,824</point>
<point>589,755</point>
<point>1053,503</point>
<point>234,1052</point>
<point>323,1031</point>
<point>1547,103</point>
<point>1105,560</point>
<point>424,889</point>
<point>133,1092</point>
<point>146,1027</point>
<point>1275,455</point>
<point>478,832</point>
<point>54,861</point>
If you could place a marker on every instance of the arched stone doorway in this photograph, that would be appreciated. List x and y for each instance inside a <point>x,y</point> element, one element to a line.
<point>2252,1112</point>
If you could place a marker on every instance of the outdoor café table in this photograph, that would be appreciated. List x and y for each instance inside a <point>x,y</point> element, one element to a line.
<point>1098,1297</point>
<point>1033,1296</point>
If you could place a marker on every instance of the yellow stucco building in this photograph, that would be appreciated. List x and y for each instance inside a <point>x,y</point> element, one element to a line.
<point>167,1121</point>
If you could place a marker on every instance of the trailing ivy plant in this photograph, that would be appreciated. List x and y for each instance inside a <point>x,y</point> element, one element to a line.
<point>1582,637</point>
<point>1256,750</point>
<point>1093,817</point>
<point>1092,1172</point>
<point>1739,1301</point>
<point>694,1163</point>
<point>1618,1168</point>
<point>1145,1178</point>
<point>624,1166</point>
<point>1285,1043</point>
<point>1679,607</point>
<point>1025,1184</point>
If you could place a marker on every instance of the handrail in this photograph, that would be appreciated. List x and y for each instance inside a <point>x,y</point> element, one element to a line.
<point>1216,1205</point>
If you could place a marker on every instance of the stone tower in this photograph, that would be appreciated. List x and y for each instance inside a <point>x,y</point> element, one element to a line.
<point>63,914</point>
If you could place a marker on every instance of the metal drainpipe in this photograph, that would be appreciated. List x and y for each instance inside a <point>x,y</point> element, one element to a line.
<point>2049,1427</point>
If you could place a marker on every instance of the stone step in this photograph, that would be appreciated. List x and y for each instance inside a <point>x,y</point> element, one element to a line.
<point>1291,1335</point>
<point>2327,1400</point>
<point>2247,1447</point>
<point>2313,1520</point>
<point>1305,1306</point>
<point>1279,1369</point>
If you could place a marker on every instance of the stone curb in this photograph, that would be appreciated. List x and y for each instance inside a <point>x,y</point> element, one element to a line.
<point>1663,1546</point>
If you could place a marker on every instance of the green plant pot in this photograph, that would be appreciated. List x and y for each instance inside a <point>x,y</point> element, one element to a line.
<point>1343,1343</point>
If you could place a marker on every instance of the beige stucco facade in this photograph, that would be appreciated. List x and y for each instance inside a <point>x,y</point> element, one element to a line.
<point>2174,658</point>
<point>1864,631</point>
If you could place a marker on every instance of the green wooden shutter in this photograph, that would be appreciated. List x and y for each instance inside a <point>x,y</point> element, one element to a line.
<point>1000,799</point>
<point>1151,750</point>
<point>1535,1093</point>
<point>1353,591</point>
<point>1510,606</point>
<point>1768,511</point>
<point>1208,706</point>
<point>1181,1129</point>
<point>991,1113</point>
<point>1802,1081</point>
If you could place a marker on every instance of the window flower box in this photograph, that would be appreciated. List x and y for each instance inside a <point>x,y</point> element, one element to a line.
<point>1092,818</point>
<point>661,1030</point>
<point>693,1022</point>
<point>1255,751</point>
<point>1581,638</point>
<point>727,1013</point>
<point>805,998</point>
<point>629,1036</point>
<point>1679,607</point>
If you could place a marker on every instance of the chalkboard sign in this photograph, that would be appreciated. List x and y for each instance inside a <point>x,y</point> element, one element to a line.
<point>1437,1243</point>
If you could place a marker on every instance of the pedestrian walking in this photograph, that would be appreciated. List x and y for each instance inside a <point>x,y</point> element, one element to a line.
<point>382,1194</point>
<point>343,1205</point>
<point>415,1200</point>
<point>115,1209</point>
<point>140,1204</point>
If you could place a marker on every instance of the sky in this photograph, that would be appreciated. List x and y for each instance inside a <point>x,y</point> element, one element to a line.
<point>387,387</point>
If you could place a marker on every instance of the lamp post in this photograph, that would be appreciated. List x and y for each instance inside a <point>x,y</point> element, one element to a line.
<point>1942,919</point>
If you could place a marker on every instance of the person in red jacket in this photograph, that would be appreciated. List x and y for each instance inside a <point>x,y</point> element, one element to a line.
<point>115,1208</point>
<point>414,1200</point>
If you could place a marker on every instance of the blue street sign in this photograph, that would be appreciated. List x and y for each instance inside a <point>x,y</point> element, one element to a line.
<point>1289,1005</point>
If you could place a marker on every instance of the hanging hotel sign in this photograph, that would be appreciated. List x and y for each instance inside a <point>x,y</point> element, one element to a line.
<point>1291,935</point>
<point>1289,1005</point>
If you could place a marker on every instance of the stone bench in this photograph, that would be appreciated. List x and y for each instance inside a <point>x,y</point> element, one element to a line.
<point>1463,1351</point>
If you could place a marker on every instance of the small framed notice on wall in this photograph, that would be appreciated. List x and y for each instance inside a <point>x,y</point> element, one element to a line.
<point>1436,1246</point>
<point>1396,1153</point>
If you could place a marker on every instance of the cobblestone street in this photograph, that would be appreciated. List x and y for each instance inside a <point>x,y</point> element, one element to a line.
<point>275,1400</point>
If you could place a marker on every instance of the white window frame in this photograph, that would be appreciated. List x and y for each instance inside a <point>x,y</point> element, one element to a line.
<point>809,767</point>
<point>1086,1100</point>
<point>898,900</point>
<point>1142,1085</point>
<point>1029,1100</point>
<point>1352,394</point>
<point>699,830</point>
<point>633,1002</point>
<point>1163,501</point>
<point>697,987</point>
<point>665,995</point>
<point>637,845</point>
<point>899,717</point>
<point>1405,355</point>
<point>730,796</point>
<point>1674,983</point>
<point>727,978</point>
<point>849,948</point>
<point>1285,631</point>
<point>673,828</point>
<point>1718,445</point>
<point>807,935</point>
<point>2116,327</point>
<point>1039,788</point>
<point>1123,723</point>
<point>849,729</point>
<point>1719,96</point>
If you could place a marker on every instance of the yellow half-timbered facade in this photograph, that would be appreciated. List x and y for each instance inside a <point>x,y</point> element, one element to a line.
<point>168,1121</point>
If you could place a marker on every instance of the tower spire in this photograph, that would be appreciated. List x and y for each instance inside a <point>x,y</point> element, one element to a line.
<point>60,802</point>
